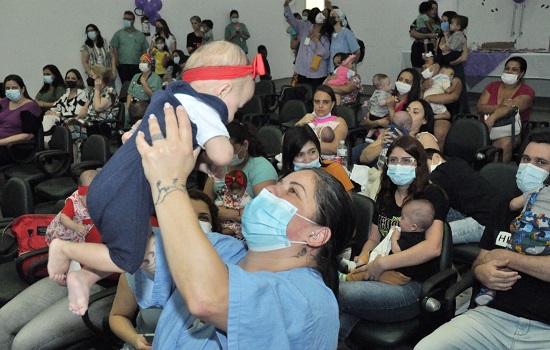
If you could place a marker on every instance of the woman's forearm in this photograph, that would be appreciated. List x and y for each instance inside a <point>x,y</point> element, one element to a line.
<point>371,152</point>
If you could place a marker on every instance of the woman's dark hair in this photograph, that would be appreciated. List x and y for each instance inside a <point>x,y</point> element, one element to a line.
<point>335,211</point>
<point>387,188</point>
<point>326,89</point>
<point>57,81</point>
<point>19,81</point>
<point>80,81</point>
<point>414,94</point>
<point>212,208</point>
<point>239,133</point>
<point>99,38</point>
<point>428,117</point>
<point>450,15</point>
<point>195,18</point>
<point>294,140</point>
<point>177,69</point>
<point>312,14</point>
<point>234,12</point>
<point>165,27</point>
<point>424,7</point>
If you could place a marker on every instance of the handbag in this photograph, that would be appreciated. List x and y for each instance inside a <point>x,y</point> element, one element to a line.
<point>509,125</point>
<point>530,231</point>
<point>316,62</point>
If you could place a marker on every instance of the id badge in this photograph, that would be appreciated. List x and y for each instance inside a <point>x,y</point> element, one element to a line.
<point>307,40</point>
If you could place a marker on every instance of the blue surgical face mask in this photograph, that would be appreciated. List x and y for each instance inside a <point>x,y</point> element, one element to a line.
<point>127,24</point>
<point>401,174</point>
<point>92,35</point>
<point>177,59</point>
<point>13,95</point>
<point>445,26</point>
<point>264,222</point>
<point>529,177</point>
<point>314,164</point>
<point>235,20</point>
<point>48,79</point>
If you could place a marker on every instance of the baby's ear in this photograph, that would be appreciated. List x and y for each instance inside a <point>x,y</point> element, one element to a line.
<point>414,227</point>
<point>224,89</point>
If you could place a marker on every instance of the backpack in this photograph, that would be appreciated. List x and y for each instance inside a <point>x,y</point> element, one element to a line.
<point>362,48</point>
<point>30,233</point>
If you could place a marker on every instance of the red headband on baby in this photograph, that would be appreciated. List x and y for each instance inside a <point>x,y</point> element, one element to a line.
<point>82,190</point>
<point>225,72</point>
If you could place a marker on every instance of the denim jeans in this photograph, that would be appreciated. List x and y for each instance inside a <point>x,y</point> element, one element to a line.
<point>376,301</point>
<point>465,229</point>
<point>488,328</point>
<point>39,318</point>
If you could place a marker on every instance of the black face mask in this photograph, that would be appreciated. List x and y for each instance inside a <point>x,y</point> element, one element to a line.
<point>70,84</point>
<point>332,21</point>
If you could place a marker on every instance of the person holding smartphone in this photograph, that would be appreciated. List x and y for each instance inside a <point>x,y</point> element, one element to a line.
<point>236,32</point>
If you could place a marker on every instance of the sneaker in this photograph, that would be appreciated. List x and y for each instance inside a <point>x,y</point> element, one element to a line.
<point>463,301</point>
<point>485,296</point>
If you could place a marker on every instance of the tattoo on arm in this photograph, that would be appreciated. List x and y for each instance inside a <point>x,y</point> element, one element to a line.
<point>301,253</point>
<point>164,191</point>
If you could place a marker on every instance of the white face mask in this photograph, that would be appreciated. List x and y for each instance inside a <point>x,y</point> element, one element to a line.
<point>320,19</point>
<point>509,79</point>
<point>433,166</point>
<point>236,160</point>
<point>427,73</point>
<point>205,226</point>
<point>402,88</point>
<point>144,67</point>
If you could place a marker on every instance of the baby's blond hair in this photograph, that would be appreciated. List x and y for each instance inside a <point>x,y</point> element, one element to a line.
<point>218,53</point>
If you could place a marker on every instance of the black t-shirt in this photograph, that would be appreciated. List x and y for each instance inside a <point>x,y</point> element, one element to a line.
<point>528,295</point>
<point>468,192</point>
<point>388,217</point>
<point>421,272</point>
<point>193,41</point>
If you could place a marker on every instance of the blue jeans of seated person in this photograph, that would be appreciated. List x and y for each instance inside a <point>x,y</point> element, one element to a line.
<point>487,328</point>
<point>39,318</point>
<point>376,301</point>
<point>465,229</point>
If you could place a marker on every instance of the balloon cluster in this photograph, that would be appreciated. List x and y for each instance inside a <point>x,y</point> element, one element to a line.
<point>519,1</point>
<point>150,8</point>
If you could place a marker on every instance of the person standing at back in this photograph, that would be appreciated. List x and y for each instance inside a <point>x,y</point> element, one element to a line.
<point>128,46</point>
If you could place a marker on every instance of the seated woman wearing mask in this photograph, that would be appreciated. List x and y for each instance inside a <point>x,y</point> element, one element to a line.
<point>143,84</point>
<point>125,305</point>
<point>499,98</point>
<point>405,177</point>
<point>294,231</point>
<point>301,151</point>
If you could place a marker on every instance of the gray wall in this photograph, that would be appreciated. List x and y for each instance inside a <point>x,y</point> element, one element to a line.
<point>34,33</point>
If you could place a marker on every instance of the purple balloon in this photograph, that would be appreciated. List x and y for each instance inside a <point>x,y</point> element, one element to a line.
<point>149,10</point>
<point>519,1</point>
<point>154,18</point>
<point>140,4</point>
<point>157,4</point>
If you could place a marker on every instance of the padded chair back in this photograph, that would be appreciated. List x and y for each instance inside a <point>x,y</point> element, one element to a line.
<point>96,148</point>
<point>364,210</point>
<point>465,138</point>
<point>16,199</point>
<point>292,111</point>
<point>348,114</point>
<point>272,139</point>
<point>254,106</point>
<point>61,139</point>
<point>265,90</point>
<point>446,257</point>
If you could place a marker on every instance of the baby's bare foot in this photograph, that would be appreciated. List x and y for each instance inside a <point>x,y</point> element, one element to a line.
<point>58,263</point>
<point>79,292</point>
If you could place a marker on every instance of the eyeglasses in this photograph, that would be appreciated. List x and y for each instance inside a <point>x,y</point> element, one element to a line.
<point>402,161</point>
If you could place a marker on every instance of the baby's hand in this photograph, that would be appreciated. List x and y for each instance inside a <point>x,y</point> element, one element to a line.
<point>217,173</point>
<point>396,233</point>
<point>81,230</point>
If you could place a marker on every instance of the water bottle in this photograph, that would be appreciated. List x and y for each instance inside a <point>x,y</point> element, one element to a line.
<point>342,153</point>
